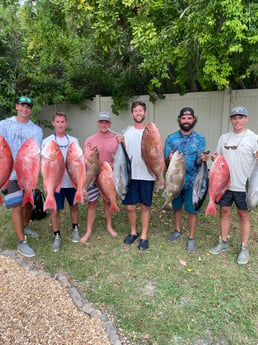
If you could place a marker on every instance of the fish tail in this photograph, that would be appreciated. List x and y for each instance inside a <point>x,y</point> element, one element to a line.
<point>78,198</point>
<point>50,203</point>
<point>211,209</point>
<point>113,208</point>
<point>28,198</point>
<point>160,185</point>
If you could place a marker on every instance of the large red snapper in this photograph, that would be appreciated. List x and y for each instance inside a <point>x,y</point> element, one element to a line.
<point>27,167</point>
<point>6,164</point>
<point>52,171</point>
<point>91,157</point>
<point>219,182</point>
<point>152,153</point>
<point>76,170</point>
<point>106,185</point>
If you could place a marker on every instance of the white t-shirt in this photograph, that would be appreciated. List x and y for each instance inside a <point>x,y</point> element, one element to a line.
<point>240,161</point>
<point>63,143</point>
<point>133,139</point>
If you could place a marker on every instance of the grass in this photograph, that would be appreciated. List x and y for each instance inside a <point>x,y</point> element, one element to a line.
<point>162,296</point>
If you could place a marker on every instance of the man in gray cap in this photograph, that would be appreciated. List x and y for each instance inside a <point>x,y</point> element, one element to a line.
<point>239,148</point>
<point>107,145</point>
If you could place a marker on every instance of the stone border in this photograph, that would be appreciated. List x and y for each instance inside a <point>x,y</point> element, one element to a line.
<point>78,300</point>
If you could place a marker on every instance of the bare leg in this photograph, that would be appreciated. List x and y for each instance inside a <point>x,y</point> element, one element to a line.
<point>55,220</point>
<point>17,219</point>
<point>178,217</point>
<point>244,226</point>
<point>145,218</point>
<point>225,213</point>
<point>27,212</point>
<point>91,215</point>
<point>74,213</point>
<point>192,220</point>
<point>108,215</point>
<point>132,217</point>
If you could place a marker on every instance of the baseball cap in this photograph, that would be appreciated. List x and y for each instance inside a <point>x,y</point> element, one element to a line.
<point>25,100</point>
<point>104,116</point>
<point>186,111</point>
<point>239,111</point>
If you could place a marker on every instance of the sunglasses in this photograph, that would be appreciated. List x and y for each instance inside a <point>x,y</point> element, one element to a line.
<point>230,147</point>
<point>25,99</point>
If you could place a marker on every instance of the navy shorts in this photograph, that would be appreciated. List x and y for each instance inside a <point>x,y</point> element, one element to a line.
<point>140,192</point>
<point>67,193</point>
<point>186,198</point>
<point>13,194</point>
<point>238,197</point>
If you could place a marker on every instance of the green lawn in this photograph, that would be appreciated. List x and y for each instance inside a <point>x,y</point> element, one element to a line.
<point>162,296</point>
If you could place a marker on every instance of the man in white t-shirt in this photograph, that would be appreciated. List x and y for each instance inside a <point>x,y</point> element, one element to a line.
<point>67,190</point>
<point>239,148</point>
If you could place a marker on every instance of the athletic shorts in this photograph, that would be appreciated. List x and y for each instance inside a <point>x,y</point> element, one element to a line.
<point>93,193</point>
<point>185,198</point>
<point>13,194</point>
<point>140,192</point>
<point>67,193</point>
<point>238,197</point>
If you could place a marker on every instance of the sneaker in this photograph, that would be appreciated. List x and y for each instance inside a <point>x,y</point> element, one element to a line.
<point>57,243</point>
<point>143,245</point>
<point>130,238</point>
<point>243,256</point>
<point>29,232</point>
<point>24,249</point>
<point>191,245</point>
<point>175,236</point>
<point>75,235</point>
<point>220,247</point>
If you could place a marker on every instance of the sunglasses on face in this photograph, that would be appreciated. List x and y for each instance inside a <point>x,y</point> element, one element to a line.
<point>230,147</point>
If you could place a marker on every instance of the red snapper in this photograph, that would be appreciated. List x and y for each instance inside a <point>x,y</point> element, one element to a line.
<point>6,164</point>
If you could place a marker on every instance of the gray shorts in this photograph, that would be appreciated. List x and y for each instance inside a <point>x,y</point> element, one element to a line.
<point>238,197</point>
<point>13,194</point>
<point>93,192</point>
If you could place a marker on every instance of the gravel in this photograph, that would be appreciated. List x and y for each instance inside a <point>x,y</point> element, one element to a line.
<point>36,308</point>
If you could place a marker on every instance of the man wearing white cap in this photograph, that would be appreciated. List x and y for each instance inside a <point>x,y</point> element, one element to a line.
<point>107,145</point>
<point>239,148</point>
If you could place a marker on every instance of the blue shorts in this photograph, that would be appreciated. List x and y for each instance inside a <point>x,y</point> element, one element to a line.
<point>13,194</point>
<point>186,198</point>
<point>238,197</point>
<point>140,192</point>
<point>67,193</point>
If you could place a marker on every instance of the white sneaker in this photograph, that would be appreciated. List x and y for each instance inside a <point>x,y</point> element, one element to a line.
<point>75,235</point>
<point>57,243</point>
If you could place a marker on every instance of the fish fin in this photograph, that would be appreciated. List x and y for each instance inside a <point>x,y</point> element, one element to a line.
<point>28,198</point>
<point>50,203</point>
<point>58,188</point>
<point>211,209</point>
<point>4,186</point>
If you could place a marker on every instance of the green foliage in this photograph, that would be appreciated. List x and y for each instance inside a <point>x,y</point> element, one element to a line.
<point>71,50</point>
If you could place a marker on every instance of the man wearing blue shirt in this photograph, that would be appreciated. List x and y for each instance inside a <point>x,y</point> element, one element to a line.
<point>192,145</point>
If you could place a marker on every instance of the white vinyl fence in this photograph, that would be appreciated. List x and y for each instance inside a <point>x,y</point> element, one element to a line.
<point>211,108</point>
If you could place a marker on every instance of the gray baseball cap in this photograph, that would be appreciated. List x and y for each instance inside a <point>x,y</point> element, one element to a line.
<point>104,116</point>
<point>241,110</point>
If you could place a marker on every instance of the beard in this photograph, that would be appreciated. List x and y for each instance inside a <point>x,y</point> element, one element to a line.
<point>186,126</point>
<point>139,121</point>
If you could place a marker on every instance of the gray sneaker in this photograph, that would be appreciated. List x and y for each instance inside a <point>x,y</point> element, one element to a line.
<point>75,235</point>
<point>191,245</point>
<point>57,243</point>
<point>175,236</point>
<point>243,256</point>
<point>29,232</point>
<point>220,247</point>
<point>24,249</point>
